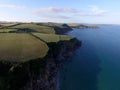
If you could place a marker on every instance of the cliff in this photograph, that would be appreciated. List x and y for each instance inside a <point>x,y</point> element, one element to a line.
<point>37,74</point>
<point>62,30</point>
<point>59,28</point>
<point>30,55</point>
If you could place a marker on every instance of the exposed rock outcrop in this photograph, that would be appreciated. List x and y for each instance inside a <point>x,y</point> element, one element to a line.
<point>47,79</point>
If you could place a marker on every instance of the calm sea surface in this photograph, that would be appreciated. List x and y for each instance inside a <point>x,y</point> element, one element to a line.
<point>96,65</point>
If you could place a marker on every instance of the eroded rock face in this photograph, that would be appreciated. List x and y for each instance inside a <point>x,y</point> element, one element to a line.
<point>37,74</point>
<point>48,78</point>
<point>40,73</point>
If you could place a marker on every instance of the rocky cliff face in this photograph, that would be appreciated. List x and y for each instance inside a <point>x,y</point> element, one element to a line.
<point>63,29</point>
<point>45,80</point>
<point>48,78</point>
<point>38,74</point>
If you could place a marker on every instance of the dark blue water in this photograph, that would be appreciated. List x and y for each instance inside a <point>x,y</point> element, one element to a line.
<point>96,65</point>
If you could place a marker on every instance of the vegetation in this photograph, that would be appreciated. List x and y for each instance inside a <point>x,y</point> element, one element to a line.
<point>21,47</point>
<point>7,24</point>
<point>60,25</point>
<point>7,30</point>
<point>26,41</point>
<point>14,76</point>
<point>35,27</point>
<point>25,49</point>
<point>75,25</point>
<point>52,37</point>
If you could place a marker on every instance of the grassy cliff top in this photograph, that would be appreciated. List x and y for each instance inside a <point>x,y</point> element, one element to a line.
<point>26,41</point>
<point>21,47</point>
<point>52,37</point>
<point>47,28</point>
<point>35,27</point>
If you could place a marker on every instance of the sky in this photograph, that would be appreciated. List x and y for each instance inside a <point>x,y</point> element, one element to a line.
<point>61,11</point>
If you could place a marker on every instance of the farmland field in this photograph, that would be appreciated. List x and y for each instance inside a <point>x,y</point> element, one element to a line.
<point>53,24</point>
<point>21,47</point>
<point>65,37</point>
<point>52,37</point>
<point>7,30</point>
<point>7,24</point>
<point>26,41</point>
<point>38,28</point>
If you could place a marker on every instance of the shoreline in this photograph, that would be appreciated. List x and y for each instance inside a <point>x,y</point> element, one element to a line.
<point>40,73</point>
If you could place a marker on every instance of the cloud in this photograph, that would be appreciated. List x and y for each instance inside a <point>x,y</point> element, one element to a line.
<point>55,10</point>
<point>68,13</point>
<point>55,16</point>
<point>11,6</point>
<point>51,16</point>
<point>97,11</point>
<point>93,11</point>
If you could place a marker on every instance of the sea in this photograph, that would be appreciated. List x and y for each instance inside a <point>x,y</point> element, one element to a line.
<point>96,64</point>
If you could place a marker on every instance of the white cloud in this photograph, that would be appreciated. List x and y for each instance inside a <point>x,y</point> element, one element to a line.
<point>68,13</point>
<point>57,16</point>
<point>97,11</point>
<point>55,10</point>
<point>93,11</point>
<point>11,6</point>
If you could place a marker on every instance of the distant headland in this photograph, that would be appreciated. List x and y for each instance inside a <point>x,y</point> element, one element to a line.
<point>81,26</point>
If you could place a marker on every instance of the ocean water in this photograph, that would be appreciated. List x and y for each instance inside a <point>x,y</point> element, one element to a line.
<point>96,64</point>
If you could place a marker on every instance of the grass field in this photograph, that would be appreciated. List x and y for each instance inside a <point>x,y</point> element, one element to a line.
<point>73,24</point>
<point>53,24</point>
<point>7,30</point>
<point>65,37</point>
<point>38,28</point>
<point>7,24</point>
<point>52,37</point>
<point>21,47</point>
<point>26,41</point>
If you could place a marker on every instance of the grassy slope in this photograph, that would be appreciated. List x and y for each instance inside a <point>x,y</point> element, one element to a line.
<point>23,47</point>
<point>7,24</point>
<point>52,37</point>
<point>7,30</point>
<point>51,24</point>
<point>29,45</point>
<point>73,24</point>
<point>38,28</point>
<point>17,47</point>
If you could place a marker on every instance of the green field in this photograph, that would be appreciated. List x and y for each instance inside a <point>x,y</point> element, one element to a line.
<point>65,37</point>
<point>37,28</point>
<point>7,30</point>
<point>7,24</point>
<point>28,49</point>
<point>27,41</point>
<point>52,37</point>
<point>21,47</point>
<point>52,24</point>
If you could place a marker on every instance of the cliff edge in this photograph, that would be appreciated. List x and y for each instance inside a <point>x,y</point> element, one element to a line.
<point>30,58</point>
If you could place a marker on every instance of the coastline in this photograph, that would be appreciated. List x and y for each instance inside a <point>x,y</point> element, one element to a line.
<point>81,26</point>
<point>40,73</point>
